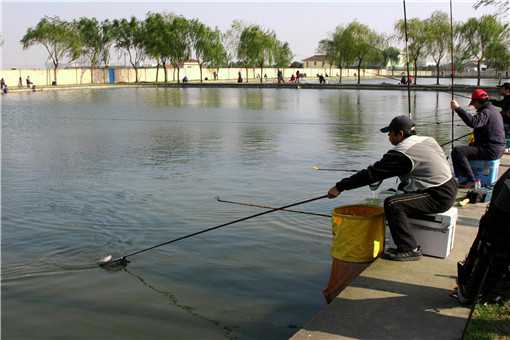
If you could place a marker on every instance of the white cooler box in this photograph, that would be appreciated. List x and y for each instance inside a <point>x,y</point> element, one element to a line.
<point>435,232</point>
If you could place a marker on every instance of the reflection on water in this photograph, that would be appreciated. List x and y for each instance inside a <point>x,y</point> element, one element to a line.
<point>88,173</point>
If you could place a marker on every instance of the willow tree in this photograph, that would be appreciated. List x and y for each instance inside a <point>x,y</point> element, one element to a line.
<point>156,40</point>
<point>363,45</point>
<point>206,44</point>
<point>95,41</point>
<point>498,57</point>
<point>129,36</point>
<point>391,55</point>
<point>417,40</point>
<point>58,37</point>
<point>256,48</point>
<point>283,54</point>
<point>476,35</point>
<point>338,48</point>
<point>437,38</point>
<point>179,42</point>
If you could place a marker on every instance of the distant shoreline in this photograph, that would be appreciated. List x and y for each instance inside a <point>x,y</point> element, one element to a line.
<point>304,86</point>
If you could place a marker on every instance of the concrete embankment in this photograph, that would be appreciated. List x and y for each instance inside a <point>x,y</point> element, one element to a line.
<point>304,86</point>
<point>402,300</point>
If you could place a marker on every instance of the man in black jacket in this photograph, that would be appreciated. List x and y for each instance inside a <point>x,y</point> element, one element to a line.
<point>504,104</point>
<point>425,177</point>
<point>489,134</point>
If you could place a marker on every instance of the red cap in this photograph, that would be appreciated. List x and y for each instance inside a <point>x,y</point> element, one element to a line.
<point>479,94</point>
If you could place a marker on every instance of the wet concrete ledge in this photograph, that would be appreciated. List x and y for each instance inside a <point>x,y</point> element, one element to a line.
<point>402,300</point>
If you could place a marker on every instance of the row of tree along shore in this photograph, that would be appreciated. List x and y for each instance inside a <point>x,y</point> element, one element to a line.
<point>164,39</point>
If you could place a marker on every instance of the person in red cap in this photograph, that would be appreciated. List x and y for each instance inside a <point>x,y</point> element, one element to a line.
<point>489,133</point>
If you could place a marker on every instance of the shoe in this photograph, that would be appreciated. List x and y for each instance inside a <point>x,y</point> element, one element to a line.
<point>393,254</point>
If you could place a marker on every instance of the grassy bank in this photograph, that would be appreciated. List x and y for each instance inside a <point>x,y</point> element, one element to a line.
<point>490,322</point>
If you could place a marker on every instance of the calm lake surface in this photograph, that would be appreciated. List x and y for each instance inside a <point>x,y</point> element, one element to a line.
<point>94,172</point>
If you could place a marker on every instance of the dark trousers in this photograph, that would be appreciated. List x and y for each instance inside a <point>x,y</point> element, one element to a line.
<point>399,208</point>
<point>461,155</point>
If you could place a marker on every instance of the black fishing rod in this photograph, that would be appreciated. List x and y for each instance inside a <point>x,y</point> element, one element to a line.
<point>315,167</point>
<point>452,67</point>
<point>108,262</point>
<point>268,207</point>
<point>407,61</point>
<point>454,140</point>
<point>344,170</point>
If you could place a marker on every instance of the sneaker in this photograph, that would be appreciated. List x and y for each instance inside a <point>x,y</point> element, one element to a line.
<point>393,254</point>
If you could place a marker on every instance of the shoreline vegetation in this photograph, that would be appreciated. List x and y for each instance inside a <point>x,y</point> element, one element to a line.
<point>168,41</point>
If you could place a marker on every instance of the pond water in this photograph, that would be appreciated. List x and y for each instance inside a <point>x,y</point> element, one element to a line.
<point>92,172</point>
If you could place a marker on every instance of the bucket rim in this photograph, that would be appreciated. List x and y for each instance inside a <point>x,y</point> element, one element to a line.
<point>379,211</point>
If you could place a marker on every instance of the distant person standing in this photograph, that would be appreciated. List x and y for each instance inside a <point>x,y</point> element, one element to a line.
<point>297,76</point>
<point>280,77</point>
<point>29,82</point>
<point>20,82</point>
<point>403,80</point>
<point>239,77</point>
<point>2,84</point>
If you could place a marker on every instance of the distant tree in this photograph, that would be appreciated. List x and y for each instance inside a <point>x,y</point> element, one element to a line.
<point>95,41</point>
<point>417,40</point>
<point>282,54</point>
<point>476,35</point>
<point>339,48</point>
<point>437,43</point>
<point>179,40</point>
<point>207,45</point>
<point>129,36</point>
<point>231,39</point>
<point>391,55</point>
<point>363,45</point>
<point>58,37</point>
<point>156,40</point>
<point>498,57</point>
<point>256,48</point>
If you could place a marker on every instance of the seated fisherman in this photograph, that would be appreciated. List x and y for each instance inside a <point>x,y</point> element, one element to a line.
<point>489,133</point>
<point>426,179</point>
<point>490,252</point>
<point>504,104</point>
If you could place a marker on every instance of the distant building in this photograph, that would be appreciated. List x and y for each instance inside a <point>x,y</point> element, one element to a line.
<point>316,61</point>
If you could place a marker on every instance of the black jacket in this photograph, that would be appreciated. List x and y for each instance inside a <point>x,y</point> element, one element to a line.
<point>488,129</point>
<point>504,104</point>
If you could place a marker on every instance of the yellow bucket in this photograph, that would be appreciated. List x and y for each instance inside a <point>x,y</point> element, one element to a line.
<point>358,233</point>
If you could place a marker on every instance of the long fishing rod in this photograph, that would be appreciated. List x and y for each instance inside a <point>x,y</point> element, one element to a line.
<point>107,261</point>
<point>315,167</point>
<point>343,170</point>
<point>452,66</point>
<point>407,61</point>
<point>268,207</point>
<point>454,140</point>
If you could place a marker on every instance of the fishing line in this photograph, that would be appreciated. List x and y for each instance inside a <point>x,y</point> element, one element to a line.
<point>108,262</point>
<point>269,207</point>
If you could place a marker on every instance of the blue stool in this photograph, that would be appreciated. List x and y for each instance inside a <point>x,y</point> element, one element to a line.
<point>485,171</point>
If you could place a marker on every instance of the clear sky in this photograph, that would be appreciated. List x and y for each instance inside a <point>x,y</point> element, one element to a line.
<point>300,23</point>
